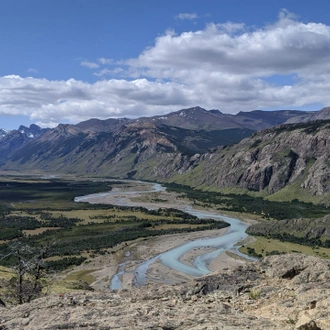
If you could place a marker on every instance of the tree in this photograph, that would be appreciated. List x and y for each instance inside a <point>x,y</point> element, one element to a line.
<point>30,268</point>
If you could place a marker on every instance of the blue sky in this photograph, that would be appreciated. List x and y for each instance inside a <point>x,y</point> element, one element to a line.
<point>67,61</point>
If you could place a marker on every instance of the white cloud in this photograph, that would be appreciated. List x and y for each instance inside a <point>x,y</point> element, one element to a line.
<point>277,49</point>
<point>107,72</point>
<point>186,16</point>
<point>52,102</point>
<point>90,65</point>
<point>104,60</point>
<point>32,70</point>
<point>228,66</point>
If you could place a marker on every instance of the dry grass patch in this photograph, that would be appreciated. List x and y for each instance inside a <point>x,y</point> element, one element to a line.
<point>37,231</point>
<point>266,246</point>
<point>82,275</point>
<point>110,215</point>
<point>6,273</point>
<point>174,226</point>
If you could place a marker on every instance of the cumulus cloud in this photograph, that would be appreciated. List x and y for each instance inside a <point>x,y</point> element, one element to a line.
<point>280,48</point>
<point>226,66</point>
<point>186,16</point>
<point>90,65</point>
<point>53,102</point>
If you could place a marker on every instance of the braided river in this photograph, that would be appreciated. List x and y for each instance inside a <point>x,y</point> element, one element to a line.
<point>215,245</point>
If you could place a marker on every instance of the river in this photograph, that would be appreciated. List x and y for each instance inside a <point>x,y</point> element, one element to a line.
<point>171,258</point>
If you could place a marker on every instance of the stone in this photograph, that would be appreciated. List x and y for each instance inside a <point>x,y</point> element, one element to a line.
<point>311,325</point>
<point>301,302</point>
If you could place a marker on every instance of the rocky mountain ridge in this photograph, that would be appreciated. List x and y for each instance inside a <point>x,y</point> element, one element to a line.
<point>31,132</point>
<point>11,141</point>
<point>199,118</point>
<point>185,147</point>
<point>195,118</point>
<point>295,156</point>
<point>3,132</point>
<point>323,114</point>
<point>122,151</point>
<point>280,292</point>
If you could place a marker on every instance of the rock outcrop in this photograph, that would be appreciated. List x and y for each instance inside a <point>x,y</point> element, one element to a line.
<point>323,114</point>
<point>294,155</point>
<point>279,292</point>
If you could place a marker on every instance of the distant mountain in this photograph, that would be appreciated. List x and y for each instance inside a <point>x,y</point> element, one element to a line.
<point>11,141</point>
<point>95,125</point>
<point>305,117</point>
<point>124,148</point>
<point>3,133</point>
<point>259,119</point>
<point>196,118</point>
<point>199,118</point>
<point>205,149</point>
<point>32,132</point>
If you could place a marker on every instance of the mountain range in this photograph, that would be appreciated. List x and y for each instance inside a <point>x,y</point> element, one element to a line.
<point>273,153</point>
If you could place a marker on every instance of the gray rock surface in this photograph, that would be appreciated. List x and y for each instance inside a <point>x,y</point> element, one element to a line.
<point>279,292</point>
<point>271,160</point>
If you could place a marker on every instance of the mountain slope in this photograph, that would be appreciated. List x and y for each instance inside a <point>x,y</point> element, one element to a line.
<point>295,157</point>
<point>133,149</point>
<point>212,129</point>
<point>323,114</point>
<point>313,232</point>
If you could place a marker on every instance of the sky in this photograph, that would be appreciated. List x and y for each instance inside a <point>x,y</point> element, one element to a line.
<point>66,61</point>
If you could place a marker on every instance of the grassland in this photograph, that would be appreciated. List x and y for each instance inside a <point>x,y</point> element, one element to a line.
<point>262,246</point>
<point>82,275</point>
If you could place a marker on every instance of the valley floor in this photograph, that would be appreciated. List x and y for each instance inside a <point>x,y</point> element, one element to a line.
<point>103,268</point>
<point>131,254</point>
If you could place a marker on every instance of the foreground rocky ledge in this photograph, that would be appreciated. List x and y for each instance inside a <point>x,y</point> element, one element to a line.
<point>279,292</point>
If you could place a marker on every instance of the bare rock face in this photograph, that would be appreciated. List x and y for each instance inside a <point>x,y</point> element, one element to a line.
<point>279,292</point>
<point>323,114</point>
<point>272,159</point>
